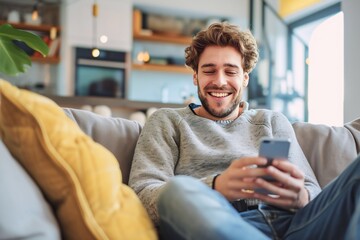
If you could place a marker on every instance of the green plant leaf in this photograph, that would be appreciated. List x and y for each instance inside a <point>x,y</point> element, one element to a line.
<point>14,60</point>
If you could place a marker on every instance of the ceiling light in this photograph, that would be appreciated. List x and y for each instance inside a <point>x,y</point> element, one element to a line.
<point>35,12</point>
<point>95,52</point>
<point>95,12</point>
<point>103,39</point>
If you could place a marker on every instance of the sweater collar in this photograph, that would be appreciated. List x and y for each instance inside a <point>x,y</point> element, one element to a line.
<point>245,106</point>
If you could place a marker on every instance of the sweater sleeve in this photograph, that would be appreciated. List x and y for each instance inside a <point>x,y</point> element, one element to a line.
<point>155,157</point>
<point>282,128</point>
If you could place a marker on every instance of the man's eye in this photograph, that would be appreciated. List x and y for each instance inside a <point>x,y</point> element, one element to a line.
<point>231,73</point>
<point>209,72</point>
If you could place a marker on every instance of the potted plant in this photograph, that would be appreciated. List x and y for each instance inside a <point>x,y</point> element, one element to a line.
<point>13,59</point>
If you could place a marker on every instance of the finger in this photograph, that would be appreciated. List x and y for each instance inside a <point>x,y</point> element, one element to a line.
<point>285,178</point>
<point>288,167</point>
<point>238,189</point>
<point>235,194</point>
<point>273,188</point>
<point>275,200</point>
<point>241,174</point>
<point>249,161</point>
<point>239,186</point>
<point>245,194</point>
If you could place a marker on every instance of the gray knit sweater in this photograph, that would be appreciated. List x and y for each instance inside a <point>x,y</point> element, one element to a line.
<point>178,142</point>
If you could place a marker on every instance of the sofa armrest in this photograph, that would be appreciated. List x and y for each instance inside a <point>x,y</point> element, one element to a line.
<point>329,150</point>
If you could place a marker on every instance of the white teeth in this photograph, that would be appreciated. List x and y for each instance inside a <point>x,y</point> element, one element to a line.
<point>219,95</point>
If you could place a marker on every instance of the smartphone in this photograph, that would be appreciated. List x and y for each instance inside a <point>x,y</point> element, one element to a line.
<point>273,148</point>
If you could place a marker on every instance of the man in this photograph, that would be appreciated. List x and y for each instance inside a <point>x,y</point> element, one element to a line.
<point>196,169</point>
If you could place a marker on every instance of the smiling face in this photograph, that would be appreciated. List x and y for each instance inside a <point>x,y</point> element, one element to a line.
<point>220,80</point>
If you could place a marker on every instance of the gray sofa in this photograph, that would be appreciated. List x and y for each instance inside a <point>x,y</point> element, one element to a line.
<point>25,213</point>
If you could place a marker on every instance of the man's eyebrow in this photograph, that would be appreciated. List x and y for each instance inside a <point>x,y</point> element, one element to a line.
<point>213,65</point>
<point>231,65</point>
<point>207,65</point>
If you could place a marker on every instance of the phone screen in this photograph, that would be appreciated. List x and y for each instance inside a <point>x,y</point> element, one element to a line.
<point>274,148</point>
<point>271,149</point>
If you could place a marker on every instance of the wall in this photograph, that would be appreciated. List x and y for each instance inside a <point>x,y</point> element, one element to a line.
<point>351,10</point>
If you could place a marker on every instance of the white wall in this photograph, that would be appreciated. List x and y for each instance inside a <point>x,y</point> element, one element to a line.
<point>351,10</point>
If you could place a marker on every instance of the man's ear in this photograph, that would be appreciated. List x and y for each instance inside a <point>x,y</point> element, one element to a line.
<point>195,79</point>
<point>246,79</point>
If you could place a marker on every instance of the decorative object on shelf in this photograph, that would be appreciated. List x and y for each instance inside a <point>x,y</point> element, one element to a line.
<point>54,46</point>
<point>53,33</point>
<point>172,25</point>
<point>14,60</point>
<point>33,17</point>
<point>29,19</point>
<point>86,107</point>
<point>165,94</point>
<point>35,11</point>
<point>13,16</point>
<point>150,111</point>
<point>143,57</point>
<point>190,99</point>
<point>95,13</point>
<point>102,110</point>
<point>139,117</point>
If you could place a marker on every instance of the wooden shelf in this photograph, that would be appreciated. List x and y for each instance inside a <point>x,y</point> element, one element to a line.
<point>162,68</point>
<point>139,34</point>
<point>183,40</point>
<point>31,27</point>
<point>50,60</point>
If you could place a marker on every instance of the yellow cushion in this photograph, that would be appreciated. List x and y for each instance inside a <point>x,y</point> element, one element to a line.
<point>80,178</point>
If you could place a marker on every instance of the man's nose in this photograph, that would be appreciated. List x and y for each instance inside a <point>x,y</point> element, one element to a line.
<point>220,79</point>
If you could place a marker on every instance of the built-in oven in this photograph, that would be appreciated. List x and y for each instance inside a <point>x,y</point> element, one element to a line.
<point>104,76</point>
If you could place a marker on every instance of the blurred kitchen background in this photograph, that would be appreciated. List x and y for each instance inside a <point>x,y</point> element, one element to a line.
<point>129,54</point>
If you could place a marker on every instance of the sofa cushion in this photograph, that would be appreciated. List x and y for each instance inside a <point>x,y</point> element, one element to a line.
<point>116,134</point>
<point>329,150</point>
<point>80,178</point>
<point>24,211</point>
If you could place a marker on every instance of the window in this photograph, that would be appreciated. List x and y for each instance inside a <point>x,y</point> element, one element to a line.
<point>326,72</point>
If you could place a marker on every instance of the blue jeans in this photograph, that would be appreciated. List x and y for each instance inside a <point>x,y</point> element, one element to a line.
<point>189,209</point>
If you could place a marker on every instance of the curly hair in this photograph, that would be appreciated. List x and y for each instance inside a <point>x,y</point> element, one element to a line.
<point>223,34</point>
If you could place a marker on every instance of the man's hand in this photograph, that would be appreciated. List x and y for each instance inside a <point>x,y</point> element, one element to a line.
<point>290,189</point>
<point>238,180</point>
<point>242,177</point>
